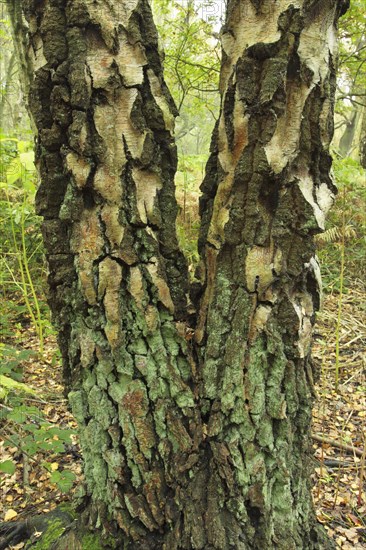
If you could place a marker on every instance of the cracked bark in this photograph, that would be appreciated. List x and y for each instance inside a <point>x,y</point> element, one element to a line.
<point>197,443</point>
<point>265,195</point>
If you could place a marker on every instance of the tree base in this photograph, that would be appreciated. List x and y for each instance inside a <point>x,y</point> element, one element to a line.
<point>57,530</point>
<point>62,529</point>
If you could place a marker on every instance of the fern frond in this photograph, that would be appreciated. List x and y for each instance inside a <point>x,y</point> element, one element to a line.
<point>334,234</point>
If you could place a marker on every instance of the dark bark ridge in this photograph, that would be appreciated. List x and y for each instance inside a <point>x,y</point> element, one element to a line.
<point>187,443</point>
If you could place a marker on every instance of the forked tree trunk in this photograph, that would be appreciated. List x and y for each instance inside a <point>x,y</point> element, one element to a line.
<point>199,442</point>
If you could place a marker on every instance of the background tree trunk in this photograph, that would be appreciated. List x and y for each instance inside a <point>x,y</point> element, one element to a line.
<point>363,140</point>
<point>348,136</point>
<point>188,443</point>
<point>20,29</point>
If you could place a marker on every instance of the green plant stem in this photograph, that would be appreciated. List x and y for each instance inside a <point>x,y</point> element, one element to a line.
<point>39,326</point>
<point>26,278</point>
<point>21,267</point>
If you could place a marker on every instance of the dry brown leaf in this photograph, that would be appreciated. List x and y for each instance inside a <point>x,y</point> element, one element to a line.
<point>10,514</point>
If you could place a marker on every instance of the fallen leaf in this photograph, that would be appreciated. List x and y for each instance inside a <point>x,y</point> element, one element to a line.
<point>10,514</point>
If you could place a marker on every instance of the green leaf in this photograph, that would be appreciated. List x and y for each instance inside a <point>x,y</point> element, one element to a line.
<point>63,434</point>
<point>64,480</point>
<point>11,384</point>
<point>27,159</point>
<point>14,171</point>
<point>8,467</point>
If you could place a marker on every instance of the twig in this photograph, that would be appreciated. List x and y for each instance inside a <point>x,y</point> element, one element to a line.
<point>362,475</point>
<point>337,444</point>
<point>25,471</point>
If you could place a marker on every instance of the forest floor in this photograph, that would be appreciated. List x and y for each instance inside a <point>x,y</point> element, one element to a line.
<point>339,419</point>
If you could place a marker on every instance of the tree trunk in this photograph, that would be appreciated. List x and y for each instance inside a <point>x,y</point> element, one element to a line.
<point>6,92</point>
<point>363,140</point>
<point>19,30</point>
<point>203,442</point>
<point>266,193</point>
<point>348,136</point>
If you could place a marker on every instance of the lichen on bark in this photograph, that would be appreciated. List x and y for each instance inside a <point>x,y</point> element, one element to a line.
<point>266,192</point>
<point>188,442</point>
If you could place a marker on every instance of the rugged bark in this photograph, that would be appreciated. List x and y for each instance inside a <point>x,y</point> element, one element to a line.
<point>265,195</point>
<point>188,442</point>
<point>117,280</point>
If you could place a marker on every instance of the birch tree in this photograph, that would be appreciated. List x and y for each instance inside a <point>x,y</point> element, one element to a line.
<point>194,414</point>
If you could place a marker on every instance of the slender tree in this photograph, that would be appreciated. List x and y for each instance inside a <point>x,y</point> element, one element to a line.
<point>363,140</point>
<point>194,427</point>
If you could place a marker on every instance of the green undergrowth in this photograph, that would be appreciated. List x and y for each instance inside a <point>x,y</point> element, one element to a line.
<point>23,309</point>
<point>345,232</point>
<point>24,425</point>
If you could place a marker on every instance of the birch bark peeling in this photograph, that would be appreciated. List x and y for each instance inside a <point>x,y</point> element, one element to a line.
<point>262,203</point>
<point>188,442</point>
<point>118,281</point>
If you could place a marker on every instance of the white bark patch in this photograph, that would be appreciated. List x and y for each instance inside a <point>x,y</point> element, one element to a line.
<point>135,286</point>
<point>316,42</point>
<point>107,14</point>
<point>108,127</point>
<point>332,39</point>
<point>284,144</point>
<point>114,120</point>
<point>87,244</point>
<point>160,99</point>
<point>124,10</point>
<point>107,182</point>
<point>324,198</point>
<point>110,278</point>
<point>161,286</point>
<point>147,186</point>
<point>303,305</point>
<point>262,265</point>
<point>114,230</point>
<point>228,159</point>
<point>131,59</point>
<point>135,138</point>
<point>248,27</point>
<point>79,168</point>
<point>36,53</point>
<point>99,63</point>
